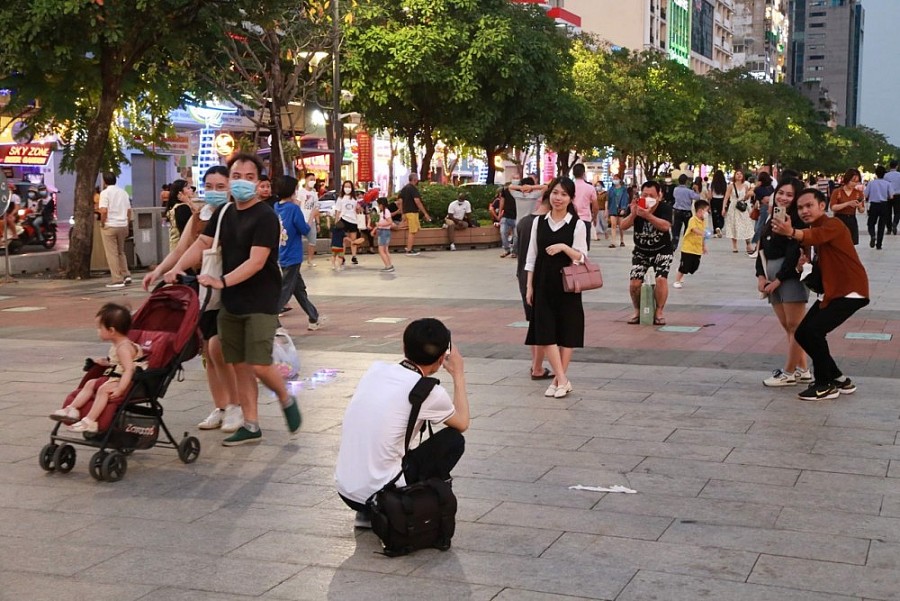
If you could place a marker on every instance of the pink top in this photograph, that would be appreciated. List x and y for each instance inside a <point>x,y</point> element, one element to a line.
<point>585,195</point>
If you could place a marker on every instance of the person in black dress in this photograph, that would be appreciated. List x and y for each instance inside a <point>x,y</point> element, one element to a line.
<point>558,239</point>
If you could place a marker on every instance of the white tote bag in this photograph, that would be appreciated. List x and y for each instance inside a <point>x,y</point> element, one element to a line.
<point>211,298</point>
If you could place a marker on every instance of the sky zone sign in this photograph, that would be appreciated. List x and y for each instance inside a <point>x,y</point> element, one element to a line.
<point>25,154</point>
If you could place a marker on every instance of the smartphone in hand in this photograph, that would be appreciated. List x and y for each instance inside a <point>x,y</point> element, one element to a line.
<point>779,213</point>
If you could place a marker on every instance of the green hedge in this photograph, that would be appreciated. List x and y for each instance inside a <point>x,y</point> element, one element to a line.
<point>437,197</point>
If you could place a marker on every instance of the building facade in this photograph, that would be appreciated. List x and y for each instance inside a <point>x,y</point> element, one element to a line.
<point>695,33</point>
<point>761,38</point>
<point>825,54</point>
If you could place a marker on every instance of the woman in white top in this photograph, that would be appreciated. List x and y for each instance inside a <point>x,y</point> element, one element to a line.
<point>345,210</point>
<point>737,222</point>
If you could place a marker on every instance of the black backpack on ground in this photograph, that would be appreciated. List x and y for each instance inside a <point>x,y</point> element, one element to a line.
<point>420,515</point>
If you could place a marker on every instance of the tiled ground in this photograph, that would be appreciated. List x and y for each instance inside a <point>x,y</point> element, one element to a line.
<point>744,493</point>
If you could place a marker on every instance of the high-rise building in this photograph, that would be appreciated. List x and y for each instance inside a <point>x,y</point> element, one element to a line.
<point>696,33</point>
<point>761,37</point>
<point>556,10</point>
<point>825,54</point>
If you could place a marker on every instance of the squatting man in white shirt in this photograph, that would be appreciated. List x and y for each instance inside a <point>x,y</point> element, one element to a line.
<point>374,428</point>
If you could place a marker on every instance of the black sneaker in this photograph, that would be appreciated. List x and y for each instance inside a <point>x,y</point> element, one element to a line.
<point>354,260</point>
<point>845,387</point>
<point>819,392</point>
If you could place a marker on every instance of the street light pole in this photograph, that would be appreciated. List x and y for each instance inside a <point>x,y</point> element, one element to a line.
<point>337,134</point>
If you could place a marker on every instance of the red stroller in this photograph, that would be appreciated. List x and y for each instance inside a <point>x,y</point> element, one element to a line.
<point>165,327</point>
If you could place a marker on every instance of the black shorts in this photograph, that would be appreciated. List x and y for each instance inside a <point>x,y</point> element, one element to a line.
<point>209,324</point>
<point>350,228</point>
<point>690,263</point>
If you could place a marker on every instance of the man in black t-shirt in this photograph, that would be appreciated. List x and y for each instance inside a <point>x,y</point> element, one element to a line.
<point>411,204</point>
<point>652,221</point>
<point>250,285</point>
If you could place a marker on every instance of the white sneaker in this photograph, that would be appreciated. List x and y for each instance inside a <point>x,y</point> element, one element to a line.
<point>452,247</point>
<point>678,285</point>
<point>313,325</point>
<point>779,378</point>
<point>803,375</point>
<point>362,521</point>
<point>233,418</point>
<point>66,414</point>
<point>116,285</point>
<point>85,425</point>
<point>212,421</point>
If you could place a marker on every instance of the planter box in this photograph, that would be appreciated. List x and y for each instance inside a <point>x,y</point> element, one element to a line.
<point>435,238</point>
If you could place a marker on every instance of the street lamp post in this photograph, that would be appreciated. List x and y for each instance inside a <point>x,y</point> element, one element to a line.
<point>336,125</point>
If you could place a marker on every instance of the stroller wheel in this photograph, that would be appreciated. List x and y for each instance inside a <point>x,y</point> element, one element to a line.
<point>113,467</point>
<point>64,458</point>
<point>45,458</point>
<point>189,449</point>
<point>94,466</point>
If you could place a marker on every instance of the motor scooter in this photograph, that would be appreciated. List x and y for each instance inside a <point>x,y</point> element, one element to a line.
<point>26,231</point>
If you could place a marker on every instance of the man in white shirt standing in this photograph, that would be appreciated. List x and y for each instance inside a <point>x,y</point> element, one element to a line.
<point>115,215</point>
<point>893,177</point>
<point>308,199</point>
<point>458,214</point>
<point>374,429</point>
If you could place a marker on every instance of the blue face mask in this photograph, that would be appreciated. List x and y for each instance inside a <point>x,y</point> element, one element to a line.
<point>215,198</point>
<point>243,190</point>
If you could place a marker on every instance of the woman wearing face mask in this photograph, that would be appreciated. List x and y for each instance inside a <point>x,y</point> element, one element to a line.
<point>179,210</point>
<point>220,375</point>
<point>778,280</point>
<point>345,210</point>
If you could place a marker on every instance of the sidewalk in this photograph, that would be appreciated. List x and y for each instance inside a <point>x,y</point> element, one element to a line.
<point>744,493</point>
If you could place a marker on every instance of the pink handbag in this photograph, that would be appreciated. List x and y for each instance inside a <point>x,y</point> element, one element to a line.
<point>578,278</point>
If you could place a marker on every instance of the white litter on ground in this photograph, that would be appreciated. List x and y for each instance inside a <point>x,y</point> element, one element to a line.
<point>616,488</point>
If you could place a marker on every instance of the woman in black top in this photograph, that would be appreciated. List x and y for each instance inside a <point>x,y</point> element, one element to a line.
<point>778,280</point>
<point>558,239</point>
<point>717,189</point>
<point>762,198</point>
<point>178,210</point>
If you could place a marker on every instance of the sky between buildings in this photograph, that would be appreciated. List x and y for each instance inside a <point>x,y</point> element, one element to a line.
<point>880,97</point>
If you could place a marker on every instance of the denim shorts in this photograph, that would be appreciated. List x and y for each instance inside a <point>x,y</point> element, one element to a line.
<point>384,236</point>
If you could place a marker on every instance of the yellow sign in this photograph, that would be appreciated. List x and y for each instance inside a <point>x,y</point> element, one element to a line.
<point>224,144</point>
<point>6,128</point>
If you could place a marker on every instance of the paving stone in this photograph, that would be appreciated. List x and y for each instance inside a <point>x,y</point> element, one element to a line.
<point>539,441</point>
<point>656,449</point>
<point>509,540</point>
<point>841,523</point>
<point>315,583</point>
<point>195,571</point>
<point>842,482</point>
<point>826,433</point>
<point>691,422</point>
<point>576,578</point>
<point>742,441</point>
<point>52,555</point>
<point>513,594</point>
<point>502,469</point>
<point>579,459</point>
<point>801,498</point>
<point>655,586</point>
<point>186,594</point>
<point>789,543</point>
<point>711,511</point>
<point>588,428</point>
<point>577,520</point>
<point>44,587</point>
<point>810,461</point>
<point>851,449</point>
<point>651,483</point>
<point>876,583</point>
<point>719,471</point>
<point>540,493</point>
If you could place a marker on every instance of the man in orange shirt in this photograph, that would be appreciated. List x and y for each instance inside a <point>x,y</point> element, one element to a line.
<point>844,290</point>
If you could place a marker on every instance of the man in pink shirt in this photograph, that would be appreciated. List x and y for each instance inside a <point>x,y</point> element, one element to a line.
<point>585,200</point>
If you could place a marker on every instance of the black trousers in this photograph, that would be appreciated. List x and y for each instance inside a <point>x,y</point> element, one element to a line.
<point>435,457</point>
<point>879,218</point>
<point>816,325</point>
<point>715,209</point>
<point>894,204</point>
<point>682,217</point>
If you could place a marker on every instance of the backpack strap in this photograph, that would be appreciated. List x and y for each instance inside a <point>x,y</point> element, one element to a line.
<point>417,396</point>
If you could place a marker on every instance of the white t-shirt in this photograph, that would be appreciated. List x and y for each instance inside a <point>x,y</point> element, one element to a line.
<point>115,200</point>
<point>374,428</point>
<point>459,210</point>
<point>308,201</point>
<point>347,206</point>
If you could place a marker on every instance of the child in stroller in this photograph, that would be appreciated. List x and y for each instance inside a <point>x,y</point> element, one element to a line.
<point>124,356</point>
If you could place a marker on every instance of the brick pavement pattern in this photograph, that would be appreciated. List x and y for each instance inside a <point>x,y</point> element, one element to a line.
<point>744,493</point>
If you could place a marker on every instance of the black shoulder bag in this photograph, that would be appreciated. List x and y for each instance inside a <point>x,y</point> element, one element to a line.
<point>420,515</point>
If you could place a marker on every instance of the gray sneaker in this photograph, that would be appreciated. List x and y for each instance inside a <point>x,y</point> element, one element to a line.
<point>803,375</point>
<point>780,378</point>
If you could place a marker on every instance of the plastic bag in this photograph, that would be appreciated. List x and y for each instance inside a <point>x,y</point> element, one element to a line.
<point>284,355</point>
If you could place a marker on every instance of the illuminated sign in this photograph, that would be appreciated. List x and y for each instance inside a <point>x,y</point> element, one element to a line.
<point>679,31</point>
<point>25,154</point>
<point>224,144</point>
<point>366,160</point>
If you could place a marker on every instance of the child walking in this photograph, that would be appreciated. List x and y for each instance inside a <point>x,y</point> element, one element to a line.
<point>337,246</point>
<point>383,226</point>
<point>123,358</point>
<point>693,245</point>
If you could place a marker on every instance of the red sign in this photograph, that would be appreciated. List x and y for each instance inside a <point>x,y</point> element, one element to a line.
<point>25,154</point>
<point>366,160</point>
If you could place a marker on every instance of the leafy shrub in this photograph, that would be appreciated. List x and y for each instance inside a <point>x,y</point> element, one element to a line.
<point>437,197</point>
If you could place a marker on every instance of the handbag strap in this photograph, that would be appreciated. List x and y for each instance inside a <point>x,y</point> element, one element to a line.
<point>215,244</point>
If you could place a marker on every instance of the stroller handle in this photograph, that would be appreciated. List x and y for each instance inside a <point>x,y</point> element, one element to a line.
<point>186,279</point>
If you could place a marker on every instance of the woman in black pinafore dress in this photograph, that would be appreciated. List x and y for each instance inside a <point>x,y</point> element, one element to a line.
<point>557,323</point>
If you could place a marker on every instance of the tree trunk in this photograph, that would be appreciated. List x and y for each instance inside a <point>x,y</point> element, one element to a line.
<point>87,167</point>
<point>413,158</point>
<point>425,175</point>
<point>491,152</point>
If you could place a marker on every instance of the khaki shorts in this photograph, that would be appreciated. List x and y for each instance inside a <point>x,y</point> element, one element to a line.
<point>247,338</point>
<point>412,220</point>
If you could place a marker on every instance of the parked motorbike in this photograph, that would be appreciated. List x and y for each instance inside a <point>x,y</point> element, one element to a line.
<point>27,232</point>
